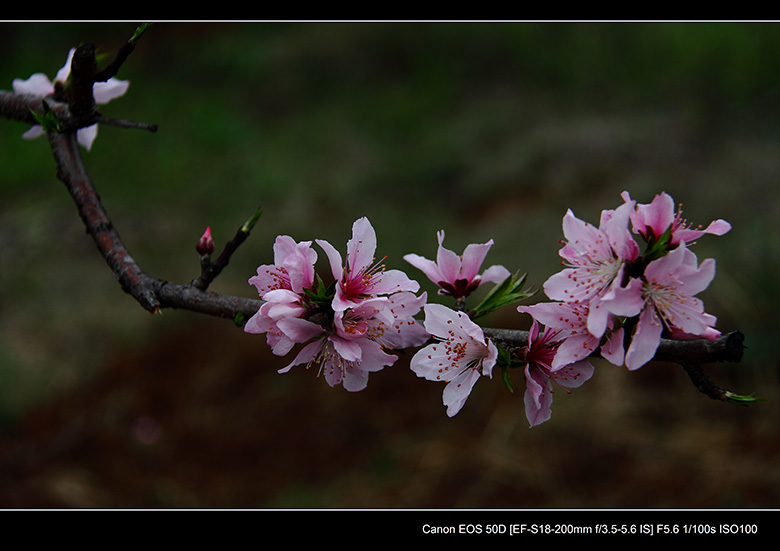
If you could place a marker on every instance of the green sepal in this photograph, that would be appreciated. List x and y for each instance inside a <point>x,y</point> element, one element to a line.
<point>742,400</point>
<point>506,379</point>
<point>507,292</point>
<point>658,247</point>
<point>319,293</point>
<point>47,119</point>
<point>504,359</point>
<point>239,319</point>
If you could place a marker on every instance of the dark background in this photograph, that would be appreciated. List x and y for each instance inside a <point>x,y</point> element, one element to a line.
<point>485,130</point>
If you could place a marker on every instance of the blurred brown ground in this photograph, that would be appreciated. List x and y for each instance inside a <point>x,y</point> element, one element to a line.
<point>183,424</point>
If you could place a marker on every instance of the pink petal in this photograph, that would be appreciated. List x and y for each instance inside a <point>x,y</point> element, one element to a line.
<point>284,246</point>
<point>33,132</point>
<point>64,72</point>
<point>393,281</point>
<point>574,349</point>
<point>573,375</point>
<point>334,257</point>
<point>448,261</point>
<point>612,350</point>
<point>107,91</point>
<point>619,235</point>
<point>495,274</point>
<point>86,136</point>
<point>373,358</point>
<point>349,350</point>
<point>458,390</point>
<point>537,397</point>
<point>37,85</point>
<point>473,257</point>
<point>300,330</point>
<point>646,339</point>
<point>658,215</point>
<point>695,281</point>
<point>427,267</point>
<point>306,355</point>
<point>432,363</point>
<point>354,380</point>
<point>362,246</point>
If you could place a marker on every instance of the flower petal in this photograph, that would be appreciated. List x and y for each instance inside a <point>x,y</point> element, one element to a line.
<point>362,246</point>
<point>646,339</point>
<point>107,91</point>
<point>37,85</point>
<point>473,257</point>
<point>458,390</point>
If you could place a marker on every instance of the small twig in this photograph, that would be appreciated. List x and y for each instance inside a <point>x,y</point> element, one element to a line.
<point>124,123</point>
<point>212,269</point>
<point>124,51</point>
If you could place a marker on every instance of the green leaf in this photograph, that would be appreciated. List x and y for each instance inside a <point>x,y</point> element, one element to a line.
<point>47,119</point>
<point>319,293</point>
<point>504,359</point>
<point>249,224</point>
<point>742,400</point>
<point>656,248</point>
<point>506,293</point>
<point>139,32</point>
<point>507,380</point>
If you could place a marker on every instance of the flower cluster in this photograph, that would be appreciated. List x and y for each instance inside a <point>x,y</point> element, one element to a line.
<point>39,85</point>
<point>626,284</point>
<point>347,327</point>
<point>613,293</point>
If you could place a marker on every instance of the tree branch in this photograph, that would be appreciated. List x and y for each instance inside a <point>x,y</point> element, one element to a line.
<point>727,348</point>
<point>151,293</point>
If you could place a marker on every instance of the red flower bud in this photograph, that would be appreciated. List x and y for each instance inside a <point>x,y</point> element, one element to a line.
<point>205,244</point>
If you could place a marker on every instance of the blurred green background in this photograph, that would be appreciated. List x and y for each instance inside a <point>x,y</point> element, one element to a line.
<point>485,130</point>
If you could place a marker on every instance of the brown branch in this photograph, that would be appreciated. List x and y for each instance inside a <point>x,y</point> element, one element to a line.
<point>151,293</point>
<point>19,107</point>
<point>727,348</point>
<point>72,172</point>
<point>154,294</point>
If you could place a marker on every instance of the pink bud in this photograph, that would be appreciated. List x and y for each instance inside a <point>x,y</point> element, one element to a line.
<point>205,245</point>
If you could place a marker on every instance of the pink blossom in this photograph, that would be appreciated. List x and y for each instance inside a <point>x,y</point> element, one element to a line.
<point>281,286</point>
<point>280,304</point>
<point>355,345</point>
<point>456,275</point>
<point>459,357</point>
<point>576,342</point>
<point>293,267</point>
<point>386,320</point>
<point>665,301</point>
<point>596,260</point>
<point>339,360</point>
<point>539,374</point>
<point>652,220</point>
<point>39,85</point>
<point>360,276</point>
